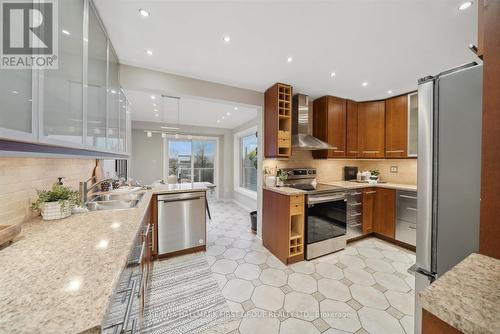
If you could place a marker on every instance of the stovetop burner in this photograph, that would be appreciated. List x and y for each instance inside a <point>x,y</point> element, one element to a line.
<point>319,188</point>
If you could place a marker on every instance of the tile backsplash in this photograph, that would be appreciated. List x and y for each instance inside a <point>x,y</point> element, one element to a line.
<point>21,177</point>
<point>333,169</point>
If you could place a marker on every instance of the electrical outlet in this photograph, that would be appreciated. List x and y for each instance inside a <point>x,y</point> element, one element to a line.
<point>394,169</point>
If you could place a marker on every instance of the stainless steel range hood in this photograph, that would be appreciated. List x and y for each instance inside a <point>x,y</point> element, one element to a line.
<point>302,116</point>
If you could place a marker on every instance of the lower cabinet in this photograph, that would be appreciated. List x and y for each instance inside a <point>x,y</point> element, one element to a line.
<point>368,210</point>
<point>385,212</point>
<point>283,225</point>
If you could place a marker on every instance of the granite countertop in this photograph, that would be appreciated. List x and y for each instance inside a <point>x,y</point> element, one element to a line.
<point>159,188</point>
<point>345,185</point>
<point>467,296</point>
<point>58,275</point>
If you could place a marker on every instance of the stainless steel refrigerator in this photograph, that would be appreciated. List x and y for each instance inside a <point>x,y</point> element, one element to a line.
<point>449,167</point>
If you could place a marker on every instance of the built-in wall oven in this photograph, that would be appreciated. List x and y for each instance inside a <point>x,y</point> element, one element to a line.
<point>326,223</point>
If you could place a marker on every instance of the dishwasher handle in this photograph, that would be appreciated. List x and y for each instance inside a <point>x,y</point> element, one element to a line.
<point>180,200</point>
<point>181,197</point>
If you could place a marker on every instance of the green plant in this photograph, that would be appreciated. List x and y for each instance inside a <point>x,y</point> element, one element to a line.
<point>58,193</point>
<point>282,175</point>
<point>375,172</point>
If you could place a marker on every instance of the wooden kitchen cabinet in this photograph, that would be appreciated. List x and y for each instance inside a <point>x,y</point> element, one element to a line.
<point>278,121</point>
<point>283,225</point>
<point>371,129</point>
<point>384,221</point>
<point>396,127</point>
<point>330,126</point>
<point>352,129</point>
<point>368,210</point>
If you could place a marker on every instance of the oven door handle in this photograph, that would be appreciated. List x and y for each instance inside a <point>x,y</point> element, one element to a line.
<point>323,199</point>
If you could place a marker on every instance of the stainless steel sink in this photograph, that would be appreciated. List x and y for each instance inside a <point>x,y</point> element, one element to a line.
<point>114,201</point>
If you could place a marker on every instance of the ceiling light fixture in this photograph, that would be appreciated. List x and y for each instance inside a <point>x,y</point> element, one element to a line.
<point>65,32</point>
<point>169,128</point>
<point>465,5</point>
<point>143,12</point>
<point>163,135</point>
<point>365,84</point>
<point>156,115</point>
<point>149,52</point>
<point>289,59</point>
<point>228,114</point>
<point>235,108</point>
<point>389,92</point>
<point>153,97</point>
<point>218,121</point>
<point>15,92</point>
<point>154,104</point>
<point>227,39</point>
<point>223,117</point>
<point>149,134</point>
<point>332,74</point>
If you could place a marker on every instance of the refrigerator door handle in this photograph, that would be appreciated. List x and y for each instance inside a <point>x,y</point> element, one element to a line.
<point>432,276</point>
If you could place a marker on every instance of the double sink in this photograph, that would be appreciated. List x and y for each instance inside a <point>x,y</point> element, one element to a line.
<point>114,201</point>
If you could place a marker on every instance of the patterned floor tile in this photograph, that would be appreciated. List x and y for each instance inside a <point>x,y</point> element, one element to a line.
<point>238,290</point>
<point>303,306</point>
<point>379,322</point>
<point>334,289</point>
<point>247,271</point>
<point>302,283</point>
<point>404,302</point>
<point>274,277</point>
<point>329,270</point>
<point>297,326</point>
<point>368,296</point>
<point>340,315</point>
<point>268,298</point>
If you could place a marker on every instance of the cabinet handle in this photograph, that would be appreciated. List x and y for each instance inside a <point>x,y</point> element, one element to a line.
<point>395,151</point>
<point>356,214</point>
<point>355,204</point>
<point>370,192</point>
<point>353,151</point>
<point>412,227</point>
<point>355,194</point>
<point>371,151</point>
<point>406,196</point>
<point>411,209</point>
<point>153,237</point>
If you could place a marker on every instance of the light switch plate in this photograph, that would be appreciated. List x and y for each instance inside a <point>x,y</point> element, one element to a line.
<point>394,169</point>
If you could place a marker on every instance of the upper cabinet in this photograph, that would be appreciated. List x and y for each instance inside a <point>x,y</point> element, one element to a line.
<point>371,129</point>
<point>412,125</point>
<point>61,119</point>
<point>396,121</point>
<point>278,121</point>
<point>330,125</point>
<point>113,102</point>
<point>352,129</point>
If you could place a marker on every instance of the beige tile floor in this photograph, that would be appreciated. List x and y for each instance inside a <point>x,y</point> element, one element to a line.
<point>364,288</point>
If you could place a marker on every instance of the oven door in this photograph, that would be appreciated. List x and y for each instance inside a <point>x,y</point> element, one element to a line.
<point>326,217</point>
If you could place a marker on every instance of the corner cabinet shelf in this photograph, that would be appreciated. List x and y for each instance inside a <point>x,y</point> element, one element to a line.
<point>283,226</point>
<point>278,121</point>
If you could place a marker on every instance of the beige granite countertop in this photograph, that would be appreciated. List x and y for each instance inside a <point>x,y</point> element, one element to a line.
<point>58,275</point>
<point>468,296</point>
<point>346,185</point>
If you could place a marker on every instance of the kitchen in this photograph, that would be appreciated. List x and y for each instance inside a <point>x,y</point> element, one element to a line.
<point>180,191</point>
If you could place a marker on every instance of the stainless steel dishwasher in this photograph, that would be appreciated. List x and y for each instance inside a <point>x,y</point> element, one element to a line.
<point>181,221</point>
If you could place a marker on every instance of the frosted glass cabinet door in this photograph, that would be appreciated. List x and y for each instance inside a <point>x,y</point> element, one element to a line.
<point>123,122</point>
<point>113,102</point>
<point>16,116</point>
<point>96,91</point>
<point>412,125</point>
<point>63,88</point>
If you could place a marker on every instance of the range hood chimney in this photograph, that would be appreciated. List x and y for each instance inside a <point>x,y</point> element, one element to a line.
<point>302,116</point>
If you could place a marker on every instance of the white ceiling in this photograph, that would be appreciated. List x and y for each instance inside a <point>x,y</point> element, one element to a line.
<point>192,111</point>
<point>388,43</point>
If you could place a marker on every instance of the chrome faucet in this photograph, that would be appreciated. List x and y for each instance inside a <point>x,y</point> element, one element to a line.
<point>85,189</point>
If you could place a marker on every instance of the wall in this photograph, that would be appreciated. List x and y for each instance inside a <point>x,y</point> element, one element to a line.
<point>147,159</point>
<point>333,169</point>
<point>21,177</point>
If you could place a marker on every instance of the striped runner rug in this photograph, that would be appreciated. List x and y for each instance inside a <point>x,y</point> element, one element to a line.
<point>183,298</point>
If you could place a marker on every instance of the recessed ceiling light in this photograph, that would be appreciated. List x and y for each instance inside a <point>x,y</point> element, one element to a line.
<point>154,104</point>
<point>163,135</point>
<point>389,92</point>
<point>113,91</point>
<point>465,5</point>
<point>228,114</point>
<point>156,115</point>
<point>218,121</point>
<point>223,117</point>
<point>15,92</point>
<point>365,84</point>
<point>65,32</point>
<point>227,39</point>
<point>149,52</point>
<point>332,74</point>
<point>289,59</point>
<point>143,12</point>
<point>153,97</point>
<point>235,108</point>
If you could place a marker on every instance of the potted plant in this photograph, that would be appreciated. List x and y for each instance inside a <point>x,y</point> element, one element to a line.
<point>282,177</point>
<point>56,203</point>
<point>375,173</point>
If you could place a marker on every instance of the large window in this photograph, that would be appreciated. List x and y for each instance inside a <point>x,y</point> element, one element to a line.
<point>192,160</point>
<point>248,161</point>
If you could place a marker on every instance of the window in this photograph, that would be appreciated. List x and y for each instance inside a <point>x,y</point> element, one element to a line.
<point>248,162</point>
<point>192,160</point>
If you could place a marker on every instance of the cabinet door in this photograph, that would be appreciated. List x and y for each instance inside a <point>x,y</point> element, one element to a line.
<point>412,125</point>
<point>62,111</point>
<point>113,128</point>
<point>371,129</point>
<point>320,125</point>
<point>385,212</point>
<point>336,126</point>
<point>17,115</point>
<point>122,142</point>
<point>96,91</point>
<point>368,209</point>
<point>352,129</point>
<point>396,124</point>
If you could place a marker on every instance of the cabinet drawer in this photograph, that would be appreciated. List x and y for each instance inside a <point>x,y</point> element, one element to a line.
<point>407,206</point>
<point>296,199</point>
<point>406,232</point>
<point>296,209</point>
<point>284,135</point>
<point>283,142</point>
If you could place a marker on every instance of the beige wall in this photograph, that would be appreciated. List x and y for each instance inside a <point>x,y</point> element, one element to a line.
<point>333,170</point>
<point>21,177</point>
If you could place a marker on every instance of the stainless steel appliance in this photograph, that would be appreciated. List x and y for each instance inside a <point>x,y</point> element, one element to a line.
<point>181,221</point>
<point>406,216</point>
<point>326,213</point>
<point>302,113</point>
<point>350,173</point>
<point>449,165</point>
